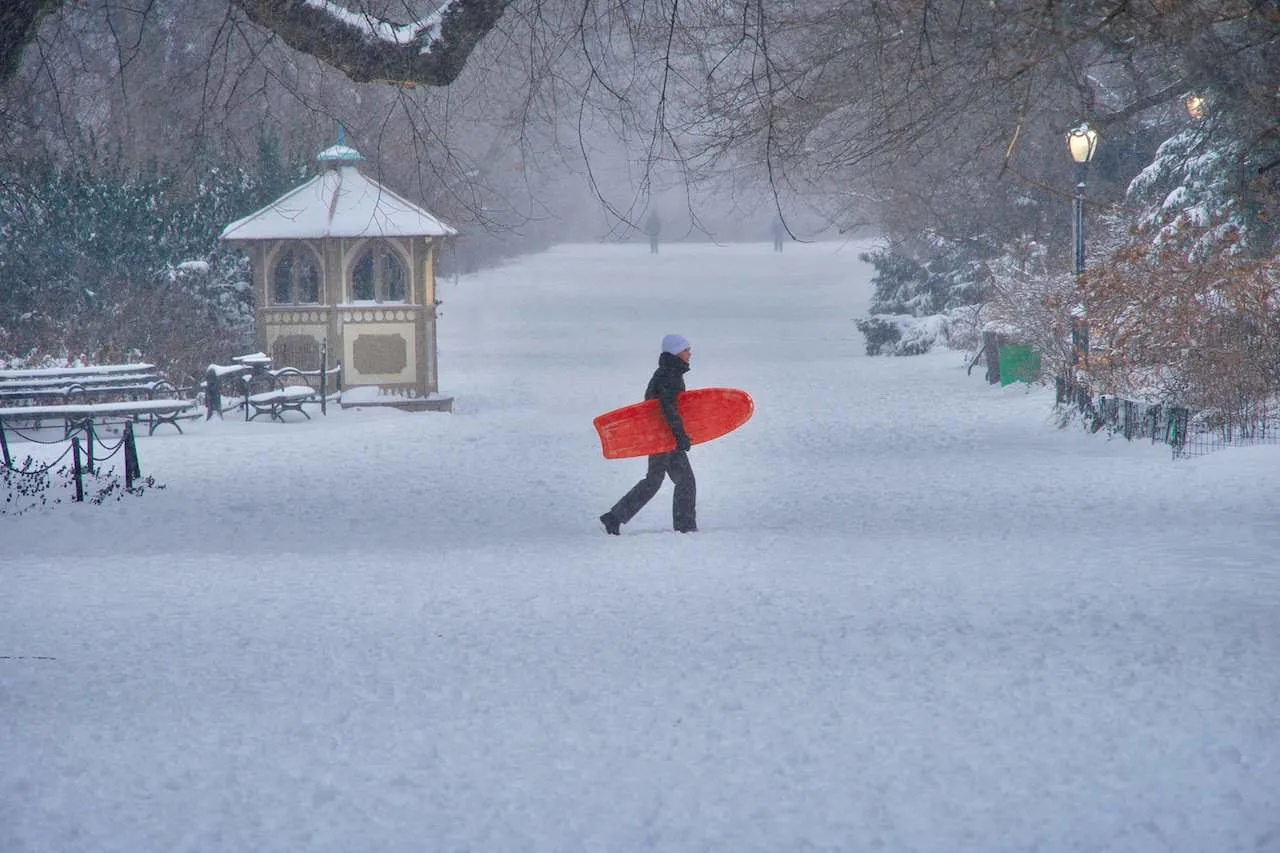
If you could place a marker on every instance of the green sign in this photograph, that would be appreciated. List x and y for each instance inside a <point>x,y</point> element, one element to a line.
<point>1018,363</point>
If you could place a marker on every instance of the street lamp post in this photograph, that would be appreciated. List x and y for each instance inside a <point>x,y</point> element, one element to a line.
<point>1081,142</point>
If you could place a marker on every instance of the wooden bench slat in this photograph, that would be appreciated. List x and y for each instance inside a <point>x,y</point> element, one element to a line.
<point>7,393</point>
<point>292,392</point>
<point>24,373</point>
<point>85,382</point>
<point>143,407</point>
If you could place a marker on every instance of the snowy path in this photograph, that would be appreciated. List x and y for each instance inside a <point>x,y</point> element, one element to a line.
<point>917,618</point>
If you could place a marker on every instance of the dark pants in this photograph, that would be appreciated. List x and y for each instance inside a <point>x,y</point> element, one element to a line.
<point>683,504</point>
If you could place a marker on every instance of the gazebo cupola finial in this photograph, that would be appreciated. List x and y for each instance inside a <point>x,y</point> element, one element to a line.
<point>341,153</point>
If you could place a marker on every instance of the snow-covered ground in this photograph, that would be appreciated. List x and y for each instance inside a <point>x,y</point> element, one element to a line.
<point>918,617</point>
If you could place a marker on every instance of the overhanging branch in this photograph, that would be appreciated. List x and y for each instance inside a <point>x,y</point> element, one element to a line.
<point>431,52</point>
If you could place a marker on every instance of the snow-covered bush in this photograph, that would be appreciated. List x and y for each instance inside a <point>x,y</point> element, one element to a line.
<point>1200,333</point>
<point>948,278</point>
<point>1032,304</point>
<point>917,303</point>
<point>1185,303</point>
<point>902,334</point>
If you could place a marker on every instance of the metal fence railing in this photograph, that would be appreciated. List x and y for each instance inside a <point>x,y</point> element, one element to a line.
<point>23,485</point>
<point>1187,433</point>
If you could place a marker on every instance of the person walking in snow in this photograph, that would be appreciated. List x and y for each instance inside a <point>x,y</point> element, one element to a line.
<point>667,382</point>
<point>653,227</point>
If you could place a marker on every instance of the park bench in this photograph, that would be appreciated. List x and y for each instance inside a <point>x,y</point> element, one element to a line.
<point>280,400</point>
<point>83,416</point>
<point>79,397</point>
<point>103,383</point>
<point>285,389</point>
<point>291,388</point>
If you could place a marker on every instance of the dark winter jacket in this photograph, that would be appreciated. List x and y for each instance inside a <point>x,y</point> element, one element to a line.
<point>667,382</point>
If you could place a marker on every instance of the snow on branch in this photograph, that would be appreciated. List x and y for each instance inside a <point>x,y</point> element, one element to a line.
<point>424,30</point>
<point>431,50</point>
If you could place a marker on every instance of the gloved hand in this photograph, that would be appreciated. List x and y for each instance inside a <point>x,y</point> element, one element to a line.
<point>682,443</point>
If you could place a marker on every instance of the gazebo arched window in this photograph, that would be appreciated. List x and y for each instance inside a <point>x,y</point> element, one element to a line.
<point>295,280</point>
<point>379,275</point>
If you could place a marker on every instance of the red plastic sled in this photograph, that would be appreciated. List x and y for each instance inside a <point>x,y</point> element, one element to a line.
<point>640,430</point>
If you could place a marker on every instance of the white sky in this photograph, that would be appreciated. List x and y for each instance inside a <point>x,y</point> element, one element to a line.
<point>918,617</point>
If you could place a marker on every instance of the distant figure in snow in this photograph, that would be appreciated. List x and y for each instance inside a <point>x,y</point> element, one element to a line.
<point>653,227</point>
<point>779,233</point>
<point>667,382</point>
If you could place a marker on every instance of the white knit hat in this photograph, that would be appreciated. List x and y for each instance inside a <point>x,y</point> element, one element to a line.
<point>675,344</point>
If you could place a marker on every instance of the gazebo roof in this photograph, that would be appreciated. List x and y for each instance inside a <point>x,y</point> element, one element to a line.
<point>339,202</point>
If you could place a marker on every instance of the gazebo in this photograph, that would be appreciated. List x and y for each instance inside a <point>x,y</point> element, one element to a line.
<point>344,263</point>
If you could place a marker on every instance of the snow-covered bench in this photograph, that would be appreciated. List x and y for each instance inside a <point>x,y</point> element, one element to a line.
<point>291,388</point>
<point>78,416</point>
<point>267,391</point>
<point>276,402</point>
<point>104,383</point>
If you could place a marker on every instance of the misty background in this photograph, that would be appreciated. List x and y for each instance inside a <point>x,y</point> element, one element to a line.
<point>132,135</point>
